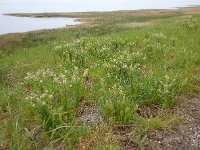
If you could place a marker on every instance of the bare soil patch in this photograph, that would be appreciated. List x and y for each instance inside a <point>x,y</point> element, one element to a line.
<point>185,136</point>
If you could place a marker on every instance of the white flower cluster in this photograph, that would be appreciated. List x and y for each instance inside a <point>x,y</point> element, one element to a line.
<point>39,98</point>
<point>159,35</point>
<point>43,74</point>
<point>57,48</point>
<point>75,75</point>
<point>60,79</point>
<point>166,85</point>
<point>64,45</point>
<point>124,60</point>
<point>39,74</point>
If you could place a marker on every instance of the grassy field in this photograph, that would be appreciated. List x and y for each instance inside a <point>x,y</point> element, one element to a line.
<point>78,87</point>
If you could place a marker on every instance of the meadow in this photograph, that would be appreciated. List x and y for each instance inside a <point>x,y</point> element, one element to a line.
<point>79,87</point>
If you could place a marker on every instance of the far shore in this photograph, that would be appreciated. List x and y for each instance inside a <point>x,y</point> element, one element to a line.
<point>90,19</point>
<point>140,12</point>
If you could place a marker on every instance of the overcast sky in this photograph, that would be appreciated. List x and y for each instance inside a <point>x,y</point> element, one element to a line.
<point>88,5</point>
<point>99,1</point>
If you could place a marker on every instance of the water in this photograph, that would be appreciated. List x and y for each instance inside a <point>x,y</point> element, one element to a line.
<point>10,24</point>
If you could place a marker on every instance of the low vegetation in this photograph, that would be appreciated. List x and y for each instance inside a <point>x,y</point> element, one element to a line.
<point>73,88</point>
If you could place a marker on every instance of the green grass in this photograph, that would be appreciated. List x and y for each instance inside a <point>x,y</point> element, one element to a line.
<point>47,79</point>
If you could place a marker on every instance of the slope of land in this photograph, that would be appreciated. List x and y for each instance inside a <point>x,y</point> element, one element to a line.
<point>120,80</point>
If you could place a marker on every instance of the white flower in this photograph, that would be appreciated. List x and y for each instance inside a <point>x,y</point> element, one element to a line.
<point>50,96</point>
<point>64,81</point>
<point>75,76</point>
<point>166,76</point>
<point>86,73</point>
<point>66,71</point>
<point>43,103</point>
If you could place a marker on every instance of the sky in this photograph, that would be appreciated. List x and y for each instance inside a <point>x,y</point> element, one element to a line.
<point>88,5</point>
<point>97,1</point>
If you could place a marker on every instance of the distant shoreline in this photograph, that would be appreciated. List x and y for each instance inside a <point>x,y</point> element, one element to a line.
<point>74,14</point>
<point>89,18</point>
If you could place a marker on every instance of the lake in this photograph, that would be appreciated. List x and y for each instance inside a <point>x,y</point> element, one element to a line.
<point>10,24</point>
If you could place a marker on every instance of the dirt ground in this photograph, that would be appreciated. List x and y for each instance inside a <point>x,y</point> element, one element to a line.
<point>184,136</point>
